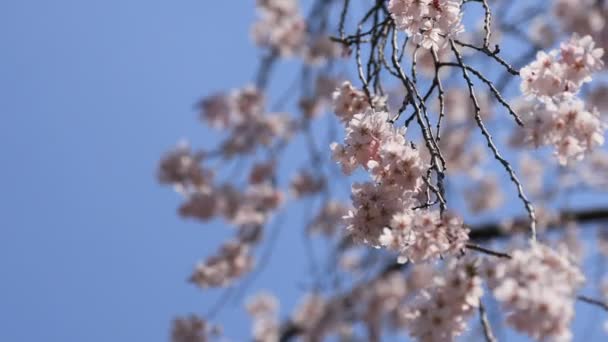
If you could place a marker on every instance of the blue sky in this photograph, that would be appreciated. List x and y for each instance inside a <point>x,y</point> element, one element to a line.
<point>92,93</point>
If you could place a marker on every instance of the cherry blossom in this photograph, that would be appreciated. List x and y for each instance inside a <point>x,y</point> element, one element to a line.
<point>192,329</point>
<point>280,27</point>
<point>232,260</point>
<point>349,101</point>
<point>430,23</point>
<point>537,288</point>
<point>263,309</point>
<point>561,73</point>
<point>441,312</point>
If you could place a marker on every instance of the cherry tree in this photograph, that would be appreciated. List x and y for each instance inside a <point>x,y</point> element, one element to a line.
<point>446,144</point>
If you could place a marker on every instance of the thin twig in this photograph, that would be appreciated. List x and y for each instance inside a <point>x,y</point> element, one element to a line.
<point>485,324</point>
<point>481,249</point>
<point>593,301</point>
<point>492,146</point>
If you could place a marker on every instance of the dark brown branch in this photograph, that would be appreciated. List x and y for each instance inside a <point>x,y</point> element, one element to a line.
<point>593,301</point>
<point>484,250</point>
<point>494,230</point>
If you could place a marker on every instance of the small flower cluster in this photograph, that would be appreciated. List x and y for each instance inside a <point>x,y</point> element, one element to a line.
<point>382,212</point>
<point>232,261</point>
<point>252,207</point>
<point>182,168</point>
<point>420,235</point>
<point>430,22</point>
<point>441,312</point>
<point>586,17</point>
<point>562,72</point>
<point>349,101</point>
<point>373,143</point>
<point>537,288</point>
<point>242,112</point>
<point>204,200</point>
<point>573,130</point>
<point>556,116</point>
<point>283,30</point>
<point>192,329</point>
<point>263,309</point>
<point>281,27</point>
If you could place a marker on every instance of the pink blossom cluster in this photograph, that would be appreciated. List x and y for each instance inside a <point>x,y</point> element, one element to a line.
<point>537,289</point>
<point>440,313</point>
<point>420,235</point>
<point>281,27</point>
<point>430,22</point>
<point>232,261</point>
<point>382,212</point>
<point>251,207</point>
<point>573,129</point>
<point>373,143</point>
<point>556,116</point>
<point>182,168</point>
<point>263,309</point>
<point>561,73</point>
<point>242,113</point>
<point>588,17</point>
<point>349,101</point>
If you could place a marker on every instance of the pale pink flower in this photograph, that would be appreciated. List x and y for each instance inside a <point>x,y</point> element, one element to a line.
<point>537,289</point>
<point>280,28</point>
<point>348,101</point>
<point>231,262</point>
<point>263,309</point>
<point>440,313</point>
<point>430,23</point>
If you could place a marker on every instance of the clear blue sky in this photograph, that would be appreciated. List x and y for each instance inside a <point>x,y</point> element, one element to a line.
<point>91,94</point>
